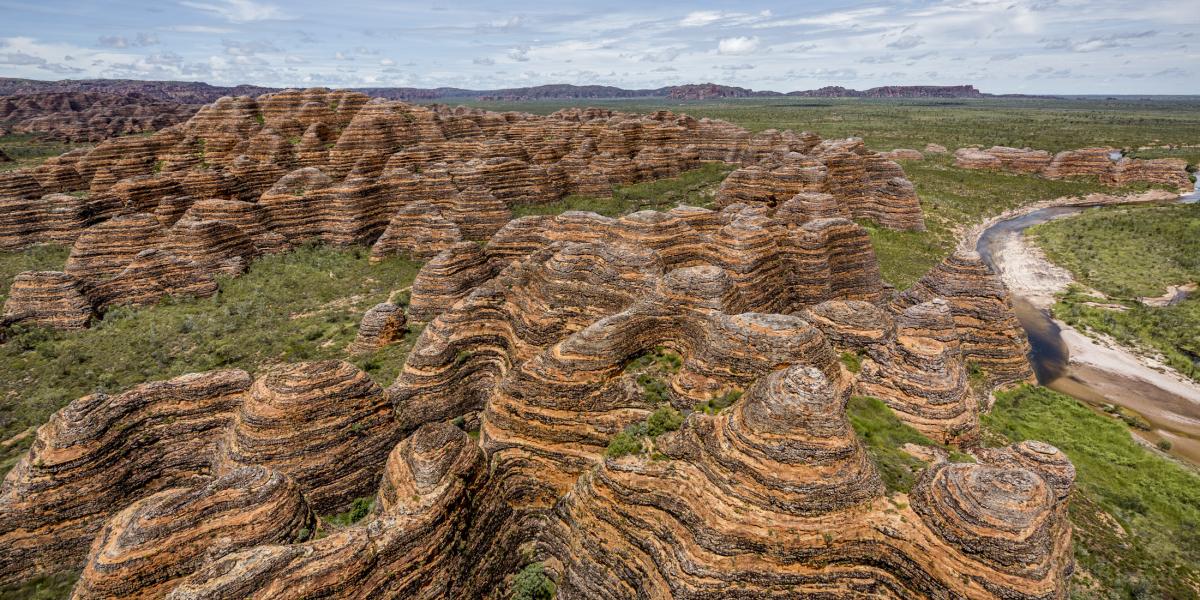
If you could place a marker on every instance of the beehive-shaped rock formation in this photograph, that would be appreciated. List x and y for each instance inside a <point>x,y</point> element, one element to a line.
<point>1085,162</point>
<point>338,167</point>
<point>146,548</point>
<point>381,325</point>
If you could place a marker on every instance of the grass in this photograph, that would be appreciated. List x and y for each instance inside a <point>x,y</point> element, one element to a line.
<point>1126,253</point>
<point>1047,124</point>
<point>1136,514</point>
<point>696,187</point>
<point>884,436</point>
<point>43,587</point>
<point>28,150</point>
<point>302,305</point>
<point>36,258</point>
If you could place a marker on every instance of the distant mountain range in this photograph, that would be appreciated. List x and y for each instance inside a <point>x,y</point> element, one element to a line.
<point>194,92</point>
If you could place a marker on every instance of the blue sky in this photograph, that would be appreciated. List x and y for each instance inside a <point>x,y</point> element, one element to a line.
<point>1021,46</point>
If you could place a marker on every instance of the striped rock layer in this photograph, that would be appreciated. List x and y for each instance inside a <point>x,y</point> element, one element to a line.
<point>1093,162</point>
<point>247,176</point>
<point>770,497</point>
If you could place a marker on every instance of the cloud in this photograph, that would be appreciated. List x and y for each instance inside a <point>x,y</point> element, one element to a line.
<point>500,25</point>
<point>907,42</point>
<point>742,67</point>
<point>22,59</point>
<point>700,18</point>
<point>483,60</point>
<point>248,48</point>
<point>198,29</point>
<point>661,55</point>
<point>239,11</point>
<point>140,41</point>
<point>519,54</point>
<point>664,70</point>
<point>738,45</point>
<point>1095,43</point>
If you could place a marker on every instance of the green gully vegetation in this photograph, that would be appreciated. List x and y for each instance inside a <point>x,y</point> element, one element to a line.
<point>695,188</point>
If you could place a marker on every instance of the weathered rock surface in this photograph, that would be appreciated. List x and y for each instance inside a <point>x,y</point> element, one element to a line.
<point>145,549</point>
<point>903,154</point>
<point>382,325</point>
<point>88,116</point>
<point>864,183</point>
<point>201,486</point>
<point>247,176</point>
<point>1085,162</point>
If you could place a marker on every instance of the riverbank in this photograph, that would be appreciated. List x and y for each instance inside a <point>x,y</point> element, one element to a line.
<point>1097,370</point>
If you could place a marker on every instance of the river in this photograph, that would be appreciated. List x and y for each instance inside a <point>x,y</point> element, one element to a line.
<point>1172,408</point>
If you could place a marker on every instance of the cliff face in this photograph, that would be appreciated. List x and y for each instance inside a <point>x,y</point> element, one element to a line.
<point>533,337</point>
<point>166,213</point>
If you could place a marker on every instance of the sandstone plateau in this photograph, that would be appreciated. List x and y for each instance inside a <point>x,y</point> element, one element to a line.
<point>163,214</point>
<point>1095,162</point>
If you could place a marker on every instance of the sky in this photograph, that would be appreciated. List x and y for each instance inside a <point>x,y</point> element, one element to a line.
<point>1011,46</point>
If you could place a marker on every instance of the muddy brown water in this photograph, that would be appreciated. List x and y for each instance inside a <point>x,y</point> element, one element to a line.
<point>1172,417</point>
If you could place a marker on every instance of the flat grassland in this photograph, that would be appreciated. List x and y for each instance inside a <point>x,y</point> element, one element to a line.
<point>1137,523</point>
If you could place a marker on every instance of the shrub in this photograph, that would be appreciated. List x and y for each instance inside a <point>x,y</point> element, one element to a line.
<point>533,584</point>
<point>663,420</point>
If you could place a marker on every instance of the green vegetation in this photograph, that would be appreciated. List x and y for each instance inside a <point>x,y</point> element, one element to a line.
<point>852,361</point>
<point>695,188</point>
<point>1126,253</point>
<point>302,305</point>
<point>884,437</point>
<point>1136,514</point>
<point>359,509</point>
<point>651,370</point>
<point>42,587</point>
<point>1048,124</point>
<point>716,405</point>
<point>954,198</point>
<point>36,258</point>
<point>532,584</point>
<point>29,150</point>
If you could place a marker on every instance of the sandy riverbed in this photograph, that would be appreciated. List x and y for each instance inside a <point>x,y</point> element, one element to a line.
<point>1028,274</point>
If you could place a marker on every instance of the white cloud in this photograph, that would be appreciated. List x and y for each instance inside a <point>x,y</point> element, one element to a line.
<point>239,11</point>
<point>198,29</point>
<point>906,42</point>
<point>738,45</point>
<point>700,18</point>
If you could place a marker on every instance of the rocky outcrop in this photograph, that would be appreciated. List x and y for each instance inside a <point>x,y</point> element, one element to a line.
<point>325,425</point>
<point>88,116</point>
<point>865,184</point>
<point>49,299</point>
<point>1002,158</point>
<point>409,549</point>
<point>782,470</point>
<point>902,154</point>
<point>145,549</point>
<point>932,148</point>
<point>382,325</point>
<point>246,176</point>
<point>1086,162</point>
<point>991,336</point>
